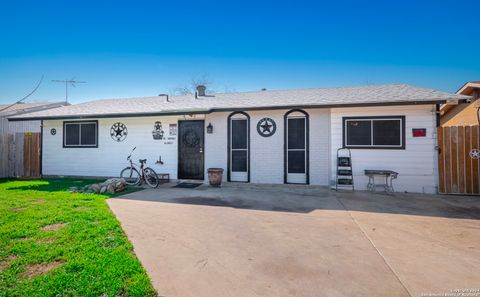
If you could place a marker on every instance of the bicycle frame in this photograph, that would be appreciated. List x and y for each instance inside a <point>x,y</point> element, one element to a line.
<point>140,168</point>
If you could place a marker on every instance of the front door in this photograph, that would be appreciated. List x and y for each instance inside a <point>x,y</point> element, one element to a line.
<point>190,149</point>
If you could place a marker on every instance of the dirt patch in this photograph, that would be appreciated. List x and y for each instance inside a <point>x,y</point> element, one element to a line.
<point>53,226</point>
<point>18,209</point>
<point>39,201</point>
<point>41,268</point>
<point>5,263</point>
<point>46,240</point>
<point>80,208</point>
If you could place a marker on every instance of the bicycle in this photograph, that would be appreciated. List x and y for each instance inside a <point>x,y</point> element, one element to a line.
<point>135,174</point>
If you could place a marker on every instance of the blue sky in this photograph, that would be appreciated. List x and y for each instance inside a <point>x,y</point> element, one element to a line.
<point>142,48</point>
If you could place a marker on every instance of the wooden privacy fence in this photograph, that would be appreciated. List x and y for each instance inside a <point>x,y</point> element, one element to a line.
<point>20,155</point>
<point>458,160</point>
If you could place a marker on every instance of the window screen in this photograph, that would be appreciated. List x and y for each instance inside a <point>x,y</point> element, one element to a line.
<point>239,161</point>
<point>238,144</point>
<point>374,132</point>
<point>72,134</point>
<point>80,134</point>
<point>89,132</point>
<point>239,134</point>
<point>296,161</point>
<point>386,132</point>
<point>359,132</point>
<point>296,133</point>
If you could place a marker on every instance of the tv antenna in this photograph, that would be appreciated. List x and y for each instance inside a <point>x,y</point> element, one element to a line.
<point>67,82</point>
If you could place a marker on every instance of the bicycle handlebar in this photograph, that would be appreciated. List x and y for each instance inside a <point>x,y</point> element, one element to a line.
<point>129,156</point>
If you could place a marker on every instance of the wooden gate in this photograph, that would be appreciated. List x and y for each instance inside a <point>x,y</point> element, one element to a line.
<point>20,155</point>
<point>458,160</point>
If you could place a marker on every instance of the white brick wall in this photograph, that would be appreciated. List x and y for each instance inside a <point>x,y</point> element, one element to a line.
<point>416,164</point>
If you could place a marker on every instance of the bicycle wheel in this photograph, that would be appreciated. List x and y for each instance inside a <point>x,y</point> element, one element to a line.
<point>151,177</point>
<point>131,176</point>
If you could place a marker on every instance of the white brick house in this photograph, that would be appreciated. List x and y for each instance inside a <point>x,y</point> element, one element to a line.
<point>260,137</point>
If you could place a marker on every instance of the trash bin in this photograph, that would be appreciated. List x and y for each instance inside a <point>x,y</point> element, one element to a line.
<point>215,176</point>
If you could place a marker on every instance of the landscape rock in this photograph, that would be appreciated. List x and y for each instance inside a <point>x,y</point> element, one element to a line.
<point>95,188</point>
<point>111,185</point>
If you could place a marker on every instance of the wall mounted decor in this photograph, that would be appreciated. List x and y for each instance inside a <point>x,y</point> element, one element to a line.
<point>118,132</point>
<point>266,127</point>
<point>419,132</point>
<point>157,131</point>
<point>173,129</point>
<point>53,131</point>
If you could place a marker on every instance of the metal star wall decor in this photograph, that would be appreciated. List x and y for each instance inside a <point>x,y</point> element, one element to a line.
<point>53,131</point>
<point>266,127</point>
<point>118,132</point>
<point>475,154</point>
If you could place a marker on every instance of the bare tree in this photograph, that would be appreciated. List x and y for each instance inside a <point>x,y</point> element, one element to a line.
<point>191,87</point>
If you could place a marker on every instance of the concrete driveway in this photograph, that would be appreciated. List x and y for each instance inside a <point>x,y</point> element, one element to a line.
<point>250,240</point>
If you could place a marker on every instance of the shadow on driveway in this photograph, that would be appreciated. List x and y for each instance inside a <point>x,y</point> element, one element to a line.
<point>305,199</point>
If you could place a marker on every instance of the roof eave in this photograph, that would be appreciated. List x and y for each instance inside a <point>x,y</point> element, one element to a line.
<point>227,109</point>
<point>467,88</point>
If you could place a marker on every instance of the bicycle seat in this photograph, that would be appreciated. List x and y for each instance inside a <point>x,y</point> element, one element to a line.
<point>143,161</point>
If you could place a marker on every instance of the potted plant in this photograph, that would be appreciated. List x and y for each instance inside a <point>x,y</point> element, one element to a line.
<point>215,176</point>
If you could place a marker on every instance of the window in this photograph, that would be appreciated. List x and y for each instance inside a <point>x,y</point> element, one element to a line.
<point>80,134</point>
<point>386,132</point>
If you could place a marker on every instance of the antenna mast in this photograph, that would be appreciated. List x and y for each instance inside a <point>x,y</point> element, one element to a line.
<point>72,82</point>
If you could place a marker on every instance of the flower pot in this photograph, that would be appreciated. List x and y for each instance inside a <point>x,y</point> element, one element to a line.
<point>215,176</point>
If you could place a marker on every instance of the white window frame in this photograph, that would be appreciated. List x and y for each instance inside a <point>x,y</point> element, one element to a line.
<point>297,178</point>
<point>401,120</point>
<point>239,176</point>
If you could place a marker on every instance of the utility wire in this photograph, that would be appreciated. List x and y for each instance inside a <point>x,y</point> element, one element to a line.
<point>29,94</point>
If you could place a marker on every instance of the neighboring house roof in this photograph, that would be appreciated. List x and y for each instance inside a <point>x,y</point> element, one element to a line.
<point>462,114</point>
<point>23,108</point>
<point>395,94</point>
<point>469,87</point>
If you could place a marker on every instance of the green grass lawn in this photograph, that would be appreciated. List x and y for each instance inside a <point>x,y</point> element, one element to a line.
<point>57,243</point>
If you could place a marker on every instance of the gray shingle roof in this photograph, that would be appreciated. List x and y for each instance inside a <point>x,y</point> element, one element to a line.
<point>25,107</point>
<point>321,97</point>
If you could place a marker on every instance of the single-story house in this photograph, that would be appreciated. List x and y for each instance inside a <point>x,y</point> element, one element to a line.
<point>275,137</point>
<point>462,113</point>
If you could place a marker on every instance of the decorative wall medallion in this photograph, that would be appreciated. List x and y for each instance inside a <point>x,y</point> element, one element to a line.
<point>191,138</point>
<point>53,131</point>
<point>118,131</point>
<point>475,154</point>
<point>157,131</point>
<point>266,127</point>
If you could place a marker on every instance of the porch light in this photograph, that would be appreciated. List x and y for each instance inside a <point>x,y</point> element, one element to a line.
<point>209,128</point>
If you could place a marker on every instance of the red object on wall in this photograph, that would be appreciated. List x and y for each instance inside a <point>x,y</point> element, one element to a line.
<point>419,132</point>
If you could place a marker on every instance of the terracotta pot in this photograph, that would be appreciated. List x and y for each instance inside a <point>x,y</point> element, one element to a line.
<point>215,176</point>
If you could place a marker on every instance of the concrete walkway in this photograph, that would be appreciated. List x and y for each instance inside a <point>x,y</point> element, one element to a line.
<point>250,240</point>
